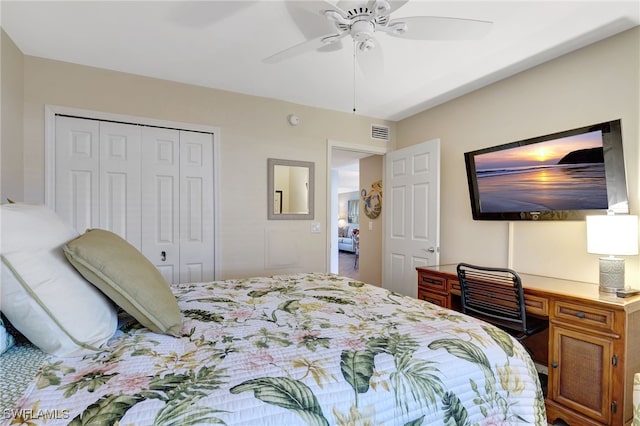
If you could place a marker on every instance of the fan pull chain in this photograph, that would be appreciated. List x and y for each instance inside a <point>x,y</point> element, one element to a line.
<point>354,76</point>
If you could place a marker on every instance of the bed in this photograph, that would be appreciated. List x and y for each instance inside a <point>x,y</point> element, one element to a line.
<point>308,349</point>
<point>300,349</point>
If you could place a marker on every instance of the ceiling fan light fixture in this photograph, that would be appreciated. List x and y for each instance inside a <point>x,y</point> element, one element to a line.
<point>366,45</point>
<point>362,30</point>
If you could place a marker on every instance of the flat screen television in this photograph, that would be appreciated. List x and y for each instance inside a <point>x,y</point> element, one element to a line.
<point>560,176</point>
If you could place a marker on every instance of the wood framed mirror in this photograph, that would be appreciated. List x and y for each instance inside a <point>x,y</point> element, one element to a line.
<point>290,189</point>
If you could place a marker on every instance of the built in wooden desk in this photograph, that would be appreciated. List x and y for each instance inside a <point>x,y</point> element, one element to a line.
<point>592,348</point>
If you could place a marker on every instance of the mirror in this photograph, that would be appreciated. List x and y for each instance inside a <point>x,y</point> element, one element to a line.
<point>290,189</point>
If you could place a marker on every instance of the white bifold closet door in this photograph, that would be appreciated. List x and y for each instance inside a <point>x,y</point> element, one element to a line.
<point>177,207</point>
<point>152,186</point>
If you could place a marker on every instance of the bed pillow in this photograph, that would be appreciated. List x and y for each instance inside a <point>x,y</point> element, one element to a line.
<point>126,277</point>
<point>41,294</point>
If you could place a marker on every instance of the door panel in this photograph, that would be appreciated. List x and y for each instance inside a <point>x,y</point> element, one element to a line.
<point>196,207</point>
<point>120,180</point>
<point>398,228</point>
<point>77,172</point>
<point>412,214</point>
<point>160,200</point>
<point>420,214</point>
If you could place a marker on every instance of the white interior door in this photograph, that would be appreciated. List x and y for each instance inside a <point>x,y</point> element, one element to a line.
<point>160,200</point>
<point>120,180</point>
<point>412,215</point>
<point>77,190</point>
<point>196,207</point>
<point>97,180</point>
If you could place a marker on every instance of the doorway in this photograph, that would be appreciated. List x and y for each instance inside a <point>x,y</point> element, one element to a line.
<point>347,166</point>
<point>344,183</point>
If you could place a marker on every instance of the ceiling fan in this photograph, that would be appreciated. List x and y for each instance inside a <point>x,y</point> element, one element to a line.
<point>362,20</point>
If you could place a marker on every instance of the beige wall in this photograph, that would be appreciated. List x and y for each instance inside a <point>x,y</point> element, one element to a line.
<point>11,147</point>
<point>371,169</point>
<point>252,130</point>
<point>598,83</point>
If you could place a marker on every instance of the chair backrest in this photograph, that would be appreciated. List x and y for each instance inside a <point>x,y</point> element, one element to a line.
<point>494,295</point>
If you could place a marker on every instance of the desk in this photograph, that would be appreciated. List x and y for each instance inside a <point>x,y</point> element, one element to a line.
<point>592,348</point>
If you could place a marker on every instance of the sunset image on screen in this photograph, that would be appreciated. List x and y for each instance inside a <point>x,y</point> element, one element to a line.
<point>560,174</point>
<point>542,153</point>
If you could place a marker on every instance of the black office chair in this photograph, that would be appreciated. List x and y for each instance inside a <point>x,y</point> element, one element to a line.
<point>495,295</point>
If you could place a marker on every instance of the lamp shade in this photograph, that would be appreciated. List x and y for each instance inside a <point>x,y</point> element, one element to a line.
<point>612,234</point>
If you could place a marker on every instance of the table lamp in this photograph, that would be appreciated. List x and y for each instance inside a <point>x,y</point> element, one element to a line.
<point>612,235</point>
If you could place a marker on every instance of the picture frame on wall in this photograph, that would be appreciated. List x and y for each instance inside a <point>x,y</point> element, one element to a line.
<point>353,208</point>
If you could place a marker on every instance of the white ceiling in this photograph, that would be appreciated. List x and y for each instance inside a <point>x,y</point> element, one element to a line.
<point>222,44</point>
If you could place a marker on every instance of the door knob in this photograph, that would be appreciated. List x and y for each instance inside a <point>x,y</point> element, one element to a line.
<point>430,250</point>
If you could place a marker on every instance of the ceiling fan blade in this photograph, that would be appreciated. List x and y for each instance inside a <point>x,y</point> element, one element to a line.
<point>308,18</point>
<point>439,28</point>
<point>306,46</point>
<point>397,4</point>
<point>331,47</point>
<point>318,7</point>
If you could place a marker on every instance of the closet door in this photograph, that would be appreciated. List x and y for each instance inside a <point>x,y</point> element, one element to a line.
<point>152,186</point>
<point>98,176</point>
<point>120,180</point>
<point>196,207</point>
<point>77,166</point>
<point>160,200</point>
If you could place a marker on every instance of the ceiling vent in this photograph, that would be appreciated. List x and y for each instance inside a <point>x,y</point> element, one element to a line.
<point>379,132</point>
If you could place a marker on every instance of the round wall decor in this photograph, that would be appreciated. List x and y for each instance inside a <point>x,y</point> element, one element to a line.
<point>372,200</point>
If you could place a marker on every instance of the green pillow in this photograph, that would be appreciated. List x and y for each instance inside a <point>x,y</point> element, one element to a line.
<point>128,278</point>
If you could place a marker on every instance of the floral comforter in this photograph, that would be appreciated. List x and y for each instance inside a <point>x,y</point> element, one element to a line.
<point>314,349</point>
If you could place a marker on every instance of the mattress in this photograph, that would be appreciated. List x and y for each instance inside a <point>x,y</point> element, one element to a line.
<point>308,349</point>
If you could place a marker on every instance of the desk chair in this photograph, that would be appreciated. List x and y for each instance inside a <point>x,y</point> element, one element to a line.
<point>495,295</point>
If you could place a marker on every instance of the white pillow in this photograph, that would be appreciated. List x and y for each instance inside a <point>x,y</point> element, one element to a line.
<point>41,294</point>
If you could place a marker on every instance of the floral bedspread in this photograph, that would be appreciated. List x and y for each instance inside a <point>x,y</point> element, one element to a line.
<point>313,349</point>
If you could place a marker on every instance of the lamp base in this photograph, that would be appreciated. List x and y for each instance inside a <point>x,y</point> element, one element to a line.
<point>611,274</point>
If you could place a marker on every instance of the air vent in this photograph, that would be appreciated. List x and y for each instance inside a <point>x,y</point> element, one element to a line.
<point>380,133</point>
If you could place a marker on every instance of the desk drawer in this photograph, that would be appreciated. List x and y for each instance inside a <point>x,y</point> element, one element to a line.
<point>454,287</point>
<point>587,316</point>
<point>536,305</point>
<point>436,299</point>
<point>432,282</point>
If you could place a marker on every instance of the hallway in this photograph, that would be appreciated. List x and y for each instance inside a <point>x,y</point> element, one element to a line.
<point>347,265</point>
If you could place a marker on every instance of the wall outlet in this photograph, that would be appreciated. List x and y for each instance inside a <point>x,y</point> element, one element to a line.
<point>315,227</point>
<point>370,225</point>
